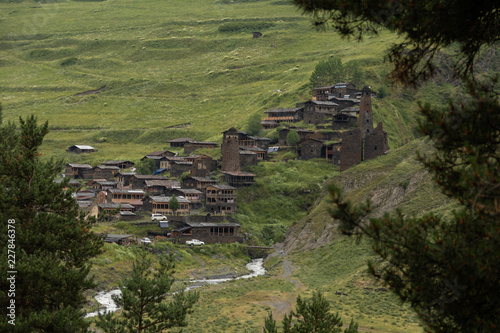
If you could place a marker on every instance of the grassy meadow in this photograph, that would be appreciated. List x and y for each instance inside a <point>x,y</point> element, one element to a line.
<point>168,63</point>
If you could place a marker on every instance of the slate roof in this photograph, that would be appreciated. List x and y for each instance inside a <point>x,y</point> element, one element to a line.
<point>115,205</point>
<point>281,110</point>
<point>163,182</point>
<point>80,166</point>
<point>239,173</point>
<point>180,199</point>
<point>224,187</point>
<point>180,140</point>
<point>85,147</point>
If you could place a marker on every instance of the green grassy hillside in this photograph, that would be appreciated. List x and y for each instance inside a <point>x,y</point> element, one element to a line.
<point>166,63</point>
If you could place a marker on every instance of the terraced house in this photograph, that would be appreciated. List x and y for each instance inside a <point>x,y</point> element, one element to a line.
<point>161,205</point>
<point>221,199</point>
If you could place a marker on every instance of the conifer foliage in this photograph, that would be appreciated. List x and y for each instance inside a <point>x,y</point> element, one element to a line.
<point>310,316</point>
<point>53,244</point>
<point>143,301</point>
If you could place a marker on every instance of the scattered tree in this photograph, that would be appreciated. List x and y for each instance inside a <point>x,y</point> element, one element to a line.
<point>48,243</point>
<point>331,71</point>
<point>310,316</point>
<point>254,125</point>
<point>145,167</point>
<point>173,204</point>
<point>292,138</point>
<point>143,300</point>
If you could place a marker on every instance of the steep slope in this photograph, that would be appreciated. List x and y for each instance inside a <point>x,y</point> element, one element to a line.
<point>396,180</point>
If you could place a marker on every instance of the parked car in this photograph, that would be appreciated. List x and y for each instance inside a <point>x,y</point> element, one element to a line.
<point>146,241</point>
<point>194,242</point>
<point>158,217</point>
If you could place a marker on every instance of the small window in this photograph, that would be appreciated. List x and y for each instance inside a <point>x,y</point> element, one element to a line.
<point>375,148</point>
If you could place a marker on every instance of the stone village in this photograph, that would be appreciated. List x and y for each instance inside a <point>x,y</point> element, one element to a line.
<point>340,130</point>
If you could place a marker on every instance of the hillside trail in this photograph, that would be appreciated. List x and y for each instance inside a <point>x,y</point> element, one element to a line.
<point>283,304</point>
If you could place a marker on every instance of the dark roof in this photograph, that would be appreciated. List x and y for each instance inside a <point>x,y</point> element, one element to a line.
<point>204,179</point>
<point>107,167</point>
<point>247,152</point>
<point>252,149</point>
<point>206,224</point>
<point>79,166</point>
<point>180,199</point>
<point>117,162</point>
<point>126,213</point>
<point>83,147</point>
<point>203,143</point>
<point>180,140</point>
<point>163,182</point>
<point>259,138</point>
<point>283,110</point>
<point>323,87</point>
<point>151,177</point>
<point>189,191</point>
<point>115,190</point>
<point>100,182</point>
<point>125,173</point>
<point>114,205</point>
<point>239,173</point>
<point>158,153</point>
<point>325,103</point>
<point>224,187</point>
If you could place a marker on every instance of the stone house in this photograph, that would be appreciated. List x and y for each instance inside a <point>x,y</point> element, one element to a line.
<point>210,233</point>
<point>318,112</point>
<point>199,183</point>
<point>179,142</point>
<point>177,168</point>
<point>139,181</point>
<point>309,148</point>
<point>124,179</point>
<point>126,196</point>
<point>247,158</point>
<point>203,166</point>
<point>364,142</point>
<point>191,146</point>
<point>166,162</point>
<point>221,199</point>
<point>81,149</point>
<point>79,171</point>
<point>161,186</point>
<point>342,121</point>
<point>160,205</point>
<point>120,164</point>
<point>275,117</point>
<point>157,156</point>
<point>239,179</point>
<point>105,171</point>
<point>261,153</point>
<point>194,196</point>
<point>303,134</point>
<point>103,185</point>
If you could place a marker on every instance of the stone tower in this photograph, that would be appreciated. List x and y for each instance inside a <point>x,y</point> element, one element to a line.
<point>230,150</point>
<point>365,120</point>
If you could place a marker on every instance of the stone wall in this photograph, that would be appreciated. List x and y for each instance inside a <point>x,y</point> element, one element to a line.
<point>310,149</point>
<point>351,152</point>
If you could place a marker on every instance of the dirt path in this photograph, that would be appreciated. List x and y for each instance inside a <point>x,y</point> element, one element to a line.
<point>284,303</point>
